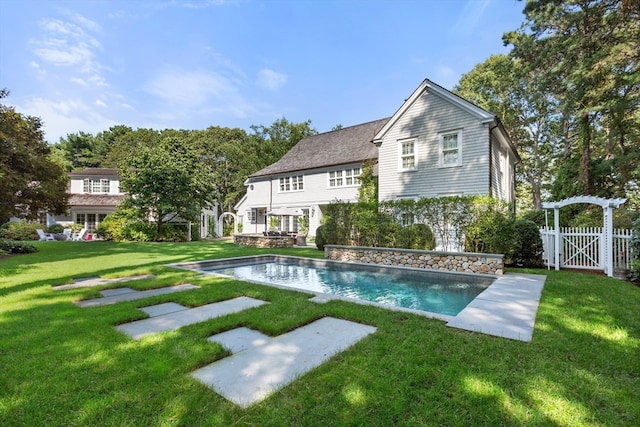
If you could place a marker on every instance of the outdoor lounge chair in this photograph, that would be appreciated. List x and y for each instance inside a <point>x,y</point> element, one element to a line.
<point>44,236</point>
<point>80,235</point>
<point>67,233</point>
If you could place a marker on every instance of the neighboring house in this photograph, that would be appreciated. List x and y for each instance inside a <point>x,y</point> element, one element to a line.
<point>436,144</point>
<point>95,193</point>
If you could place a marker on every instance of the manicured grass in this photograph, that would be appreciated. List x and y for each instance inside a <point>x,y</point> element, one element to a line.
<point>61,365</point>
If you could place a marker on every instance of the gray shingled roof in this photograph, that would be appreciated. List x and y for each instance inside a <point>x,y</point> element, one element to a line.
<point>338,147</point>
<point>95,199</point>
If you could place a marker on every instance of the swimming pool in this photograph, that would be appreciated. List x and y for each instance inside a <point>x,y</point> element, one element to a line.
<point>410,288</point>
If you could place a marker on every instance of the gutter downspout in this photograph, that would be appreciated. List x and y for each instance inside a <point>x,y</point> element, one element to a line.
<point>491,156</point>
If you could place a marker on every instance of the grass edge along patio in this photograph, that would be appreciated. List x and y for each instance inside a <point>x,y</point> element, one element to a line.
<point>63,365</point>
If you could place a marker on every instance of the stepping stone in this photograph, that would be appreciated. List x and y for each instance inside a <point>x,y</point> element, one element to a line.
<point>240,339</point>
<point>263,365</point>
<point>113,296</point>
<point>162,309</point>
<point>117,291</point>
<point>178,319</point>
<point>97,281</point>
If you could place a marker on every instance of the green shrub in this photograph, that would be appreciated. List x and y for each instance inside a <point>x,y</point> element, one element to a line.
<point>20,230</point>
<point>123,226</point>
<point>528,248</point>
<point>55,228</point>
<point>320,239</point>
<point>493,232</point>
<point>415,236</point>
<point>634,265</point>
<point>537,217</point>
<point>16,247</point>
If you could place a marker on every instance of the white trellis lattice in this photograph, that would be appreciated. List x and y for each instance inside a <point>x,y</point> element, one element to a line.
<point>596,246</point>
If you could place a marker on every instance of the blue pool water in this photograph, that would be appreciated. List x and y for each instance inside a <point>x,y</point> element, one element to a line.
<point>426,291</point>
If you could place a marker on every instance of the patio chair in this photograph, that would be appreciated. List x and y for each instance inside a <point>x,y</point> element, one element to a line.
<point>67,233</point>
<point>44,236</point>
<point>80,235</point>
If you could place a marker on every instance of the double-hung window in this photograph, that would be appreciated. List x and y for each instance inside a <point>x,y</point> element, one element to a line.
<point>291,183</point>
<point>407,154</point>
<point>344,177</point>
<point>335,179</point>
<point>352,176</point>
<point>252,215</point>
<point>451,149</point>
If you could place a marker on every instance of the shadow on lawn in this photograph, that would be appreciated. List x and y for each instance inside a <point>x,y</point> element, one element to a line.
<point>579,369</point>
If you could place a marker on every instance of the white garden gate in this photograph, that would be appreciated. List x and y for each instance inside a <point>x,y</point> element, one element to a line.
<point>587,248</point>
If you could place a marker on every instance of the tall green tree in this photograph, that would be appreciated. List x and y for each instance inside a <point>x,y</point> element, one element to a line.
<point>588,55</point>
<point>166,179</point>
<point>276,140</point>
<point>529,113</point>
<point>232,156</point>
<point>31,182</point>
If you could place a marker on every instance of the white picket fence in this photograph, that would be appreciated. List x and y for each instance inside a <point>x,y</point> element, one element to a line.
<point>582,247</point>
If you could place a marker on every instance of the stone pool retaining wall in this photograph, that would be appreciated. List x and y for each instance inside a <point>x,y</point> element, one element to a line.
<point>260,241</point>
<point>461,262</point>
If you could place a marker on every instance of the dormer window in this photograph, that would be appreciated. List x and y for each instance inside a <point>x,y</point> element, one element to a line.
<point>96,186</point>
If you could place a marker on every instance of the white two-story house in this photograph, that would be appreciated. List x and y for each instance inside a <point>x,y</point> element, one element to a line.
<point>95,192</point>
<point>436,144</point>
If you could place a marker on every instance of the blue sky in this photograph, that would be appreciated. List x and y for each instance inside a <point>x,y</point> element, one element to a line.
<point>88,65</point>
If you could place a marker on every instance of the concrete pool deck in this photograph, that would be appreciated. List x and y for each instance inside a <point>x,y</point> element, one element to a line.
<point>505,309</point>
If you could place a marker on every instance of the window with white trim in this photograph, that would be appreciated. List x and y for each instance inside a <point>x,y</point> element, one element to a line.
<point>96,186</point>
<point>344,177</point>
<point>252,215</point>
<point>407,152</point>
<point>451,149</point>
<point>291,183</point>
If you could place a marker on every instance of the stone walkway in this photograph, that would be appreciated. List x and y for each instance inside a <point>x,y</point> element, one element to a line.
<point>261,365</point>
<point>171,316</point>
<point>112,296</point>
<point>97,281</point>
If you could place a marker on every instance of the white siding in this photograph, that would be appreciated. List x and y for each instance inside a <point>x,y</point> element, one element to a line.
<point>265,193</point>
<point>76,185</point>
<point>429,116</point>
<point>502,177</point>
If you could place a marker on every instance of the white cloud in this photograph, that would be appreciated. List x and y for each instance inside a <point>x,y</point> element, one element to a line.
<point>69,44</point>
<point>100,103</point>
<point>62,117</point>
<point>191,87</point>
<point>78,81</point>
<point>271,80</point>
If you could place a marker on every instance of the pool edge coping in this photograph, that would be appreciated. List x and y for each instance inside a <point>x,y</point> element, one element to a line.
<point>475,317</point>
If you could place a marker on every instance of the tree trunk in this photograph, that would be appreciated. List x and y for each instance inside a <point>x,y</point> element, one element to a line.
<point>584,175</point>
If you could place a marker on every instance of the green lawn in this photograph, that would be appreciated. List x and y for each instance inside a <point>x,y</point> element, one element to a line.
<point>61,365</point>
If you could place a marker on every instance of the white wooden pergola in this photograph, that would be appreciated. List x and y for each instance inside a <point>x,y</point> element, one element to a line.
<point>607,211</point>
